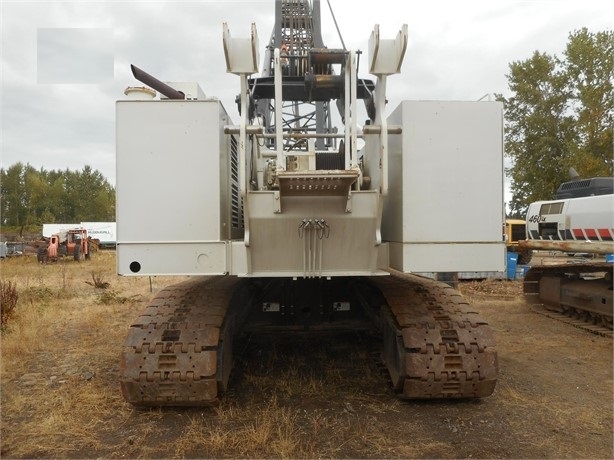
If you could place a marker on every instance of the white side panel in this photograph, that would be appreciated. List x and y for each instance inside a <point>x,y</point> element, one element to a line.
<point>171,166</point>
<point>448,257</point>
<point>446,187</point>
<point>197,258</point>
<point>591,212</point>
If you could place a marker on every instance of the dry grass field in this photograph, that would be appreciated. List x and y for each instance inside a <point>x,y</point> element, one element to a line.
<point>291,397</point>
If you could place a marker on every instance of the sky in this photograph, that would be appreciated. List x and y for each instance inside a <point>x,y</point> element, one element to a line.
<point>65,63</point>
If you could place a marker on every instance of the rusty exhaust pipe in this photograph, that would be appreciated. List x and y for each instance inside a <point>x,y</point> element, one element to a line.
<point>156,84</point>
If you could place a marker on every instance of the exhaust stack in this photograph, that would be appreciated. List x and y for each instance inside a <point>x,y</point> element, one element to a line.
<point>156,84</point>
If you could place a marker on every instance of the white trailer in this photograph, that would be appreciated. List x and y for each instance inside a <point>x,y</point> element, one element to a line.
<point>55,229</point>
<point>105,232</point>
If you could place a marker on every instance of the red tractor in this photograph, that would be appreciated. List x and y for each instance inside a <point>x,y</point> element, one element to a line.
<point>73,242</point>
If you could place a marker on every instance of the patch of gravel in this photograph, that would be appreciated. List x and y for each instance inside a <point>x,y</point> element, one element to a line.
<point>492,288</point>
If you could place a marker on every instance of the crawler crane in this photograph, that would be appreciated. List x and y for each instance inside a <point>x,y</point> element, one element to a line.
<point>291,221</point>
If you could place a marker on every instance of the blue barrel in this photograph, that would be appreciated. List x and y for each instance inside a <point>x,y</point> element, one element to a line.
<point>512,260</point>
<point>609,257</point>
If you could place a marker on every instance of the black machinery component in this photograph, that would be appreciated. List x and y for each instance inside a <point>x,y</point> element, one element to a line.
<point>156,84</point>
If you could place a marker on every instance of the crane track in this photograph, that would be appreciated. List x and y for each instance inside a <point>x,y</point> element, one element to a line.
<point>577,294</point>
<point>575,319</point>
<point>179,351</point>
<point>435,345</point>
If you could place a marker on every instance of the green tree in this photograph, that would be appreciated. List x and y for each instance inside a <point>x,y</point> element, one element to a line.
<point>31,197</point>
<point>590,76</point>
<point>37,196</point>
<point>559,116</point>
<point>89,196</point>
<point>12,189</point>
<point>16,195</point>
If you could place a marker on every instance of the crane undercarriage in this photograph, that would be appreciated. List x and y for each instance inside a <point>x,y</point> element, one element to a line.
<point>579,293</point>
<point>179,352</point>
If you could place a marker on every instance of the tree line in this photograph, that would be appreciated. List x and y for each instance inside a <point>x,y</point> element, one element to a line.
<point>30,196</point>
<point>560,115</point>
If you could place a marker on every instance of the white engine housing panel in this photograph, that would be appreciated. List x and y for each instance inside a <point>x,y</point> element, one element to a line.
<point>173,190</point>
<point>445,211</point>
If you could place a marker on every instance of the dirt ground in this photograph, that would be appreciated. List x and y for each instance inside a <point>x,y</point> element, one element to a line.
<point>294,397</point>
